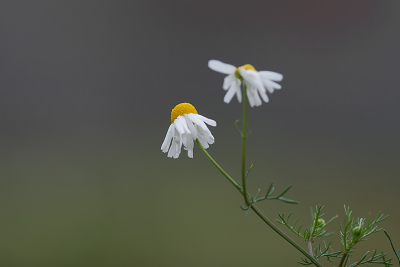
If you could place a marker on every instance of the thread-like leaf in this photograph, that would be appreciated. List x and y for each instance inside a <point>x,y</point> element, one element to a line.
<point>284,191</point>
<point>270,190</point>
<point>394,250</point>
<point>247,173</point>
<point>290,201</point>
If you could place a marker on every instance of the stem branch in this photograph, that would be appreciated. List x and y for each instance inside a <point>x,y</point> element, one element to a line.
<point>257,211</point>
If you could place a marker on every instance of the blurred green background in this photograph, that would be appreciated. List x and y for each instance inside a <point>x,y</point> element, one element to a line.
<point>86,90</point>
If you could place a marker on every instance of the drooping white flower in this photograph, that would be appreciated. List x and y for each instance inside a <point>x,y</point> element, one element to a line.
<point>186,126</point>
<point>257,82</point>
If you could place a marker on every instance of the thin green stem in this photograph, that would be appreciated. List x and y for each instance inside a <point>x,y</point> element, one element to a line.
<point>310,248</point>
<point>257,211</point>
<point>230,179</point>
<point>344,259</point>
<point>244,137</point>
<point>288,239</point>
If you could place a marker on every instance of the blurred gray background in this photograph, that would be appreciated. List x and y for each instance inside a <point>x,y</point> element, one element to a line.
<point>86,90</point>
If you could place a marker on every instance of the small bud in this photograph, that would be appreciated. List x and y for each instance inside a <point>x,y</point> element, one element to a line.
<point>356,232</point>
<point>320,223</point>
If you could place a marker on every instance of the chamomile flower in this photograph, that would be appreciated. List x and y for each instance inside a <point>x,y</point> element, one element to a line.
<point>186,126</point>
<point>257,82</point>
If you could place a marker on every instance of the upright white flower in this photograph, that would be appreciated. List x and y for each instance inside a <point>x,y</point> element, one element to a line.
<point>257,82</point>
<point>186,126</point>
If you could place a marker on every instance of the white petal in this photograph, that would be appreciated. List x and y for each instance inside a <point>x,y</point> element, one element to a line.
<point>168,138</point>
<point>274,76</point>
<point>178,126</point>
<point>207,120</point>
<point>229,95</point>
<point>177,155</point>
<point>189,144</point>
<point>252,97</point>
<point>208,138</point>
<point>257,98</point>
<point>270,85</point>
<point>191,127</point>
<point>251,100</point>
<point>203,142</point>
<point>173,150</point>
<point>190,153</point>
<point>228,81</point>
<point>236,84</point>
<point>264,95</point>
<point>251,78</point>
<point>198,121</point>
<point>187,141</point>
<point>221,67</point>
<point>182,120</point>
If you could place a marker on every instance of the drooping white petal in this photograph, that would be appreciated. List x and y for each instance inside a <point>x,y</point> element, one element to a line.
<point>250,97</point>
<point>274,76</point>
<point>178,126</point>
<point>271,86</point>
<point>189,144</point>
<point>264,95</point>
<point>182,120</point>
<point>257,97</point>
<point>190,153</point>
<point>209,138</point>
<point>177,154</point>
<point>236,84</point>
<point>168,138</point>
<point>228,81</point>
<point>221,67</point>
<point>253,97</point>
<point>206,138</point>
<point>198,121</point>
<point>175,147</point>
<point>229,95</point>
<point>203,142</point>
<point>191,127</point>
<point>171,151</point>
<point>251,78</point>
<point>207,120</point>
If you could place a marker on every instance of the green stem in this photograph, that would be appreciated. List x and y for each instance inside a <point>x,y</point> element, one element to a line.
<point>257,211</point>
<point>238,187</point>
<point>244,137</point>
<point>288,239</point>
<point>310,248</point>
<point>343,260</point>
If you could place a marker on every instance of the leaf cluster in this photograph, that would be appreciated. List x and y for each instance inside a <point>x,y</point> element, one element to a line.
<point>317,228</point>
<point>377,259</point>
<point>268,195</point>
<point>357,230</point>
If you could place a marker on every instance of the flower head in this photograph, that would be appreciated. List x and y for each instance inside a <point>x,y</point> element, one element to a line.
<point>186,126</point>
<point>257,82</point>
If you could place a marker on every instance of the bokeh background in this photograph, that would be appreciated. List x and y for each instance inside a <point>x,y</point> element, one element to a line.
<point>86,90</point>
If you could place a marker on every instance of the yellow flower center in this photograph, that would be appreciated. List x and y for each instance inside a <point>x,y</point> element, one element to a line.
<point>246,67</point>
<point>182,109</point>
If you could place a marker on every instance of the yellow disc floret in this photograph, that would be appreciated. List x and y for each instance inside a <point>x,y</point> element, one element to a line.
<point>182,109</point>
<point>247,67</point>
